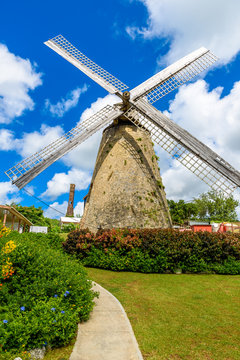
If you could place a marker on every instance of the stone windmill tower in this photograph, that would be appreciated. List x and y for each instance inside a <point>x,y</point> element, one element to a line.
<point>126,189</point>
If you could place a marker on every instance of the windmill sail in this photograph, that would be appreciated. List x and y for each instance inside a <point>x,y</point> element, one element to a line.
<point>181,145</point>
<point>185,148</point>
<point>27,169</point>
<point>174,75</point>
<point>64,48</point>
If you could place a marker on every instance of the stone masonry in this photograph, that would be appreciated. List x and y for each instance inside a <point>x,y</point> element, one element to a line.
<point>71,200</point>
<point>126,188</point>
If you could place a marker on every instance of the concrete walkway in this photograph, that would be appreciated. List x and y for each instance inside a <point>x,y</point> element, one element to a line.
<point>108,334</point>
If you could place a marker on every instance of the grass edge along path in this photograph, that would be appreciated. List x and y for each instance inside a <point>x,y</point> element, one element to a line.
<point>179,316</point>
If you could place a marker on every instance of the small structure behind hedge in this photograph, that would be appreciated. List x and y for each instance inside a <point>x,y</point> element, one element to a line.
<point>64,220</point>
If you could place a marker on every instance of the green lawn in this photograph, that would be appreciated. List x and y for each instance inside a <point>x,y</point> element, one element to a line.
<point>62,353</point>
<point>179,316</point>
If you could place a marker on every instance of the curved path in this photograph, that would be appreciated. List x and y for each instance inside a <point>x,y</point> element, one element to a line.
<point>108,334</point>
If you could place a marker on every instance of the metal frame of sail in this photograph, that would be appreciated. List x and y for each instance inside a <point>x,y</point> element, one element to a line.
<point>29,168</point>
<point>181,145</point>
<point>185,148</point>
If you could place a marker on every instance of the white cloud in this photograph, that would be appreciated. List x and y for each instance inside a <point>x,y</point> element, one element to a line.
<point>35,141</point>
<point>31,142</point>
<point>133,31</point>
<point>7,141</point>
<point>213,119</point>
<point>17,77</point>
<point>64,105</point>
<point>51,213</point>
<point>98,105</point>
<point>84,156</point>
<point>30,189</point>
<point>182,184</point>
<point>62,208</point>
<point>8,193</point>
<point>60,183</point>
<point>191,24</point>
<point>78,210</point>
<point>179,182</point>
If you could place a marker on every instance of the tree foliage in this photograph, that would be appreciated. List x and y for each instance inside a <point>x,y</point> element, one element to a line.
<point>214,206</point>
<point>210,206</point>
<point>35,215</point>
<point>181,211</point>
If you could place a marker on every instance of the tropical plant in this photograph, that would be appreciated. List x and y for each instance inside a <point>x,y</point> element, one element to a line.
<point>156,250</point>
<point>43,293</point>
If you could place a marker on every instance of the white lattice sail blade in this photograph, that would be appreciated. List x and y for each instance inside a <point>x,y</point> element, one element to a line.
<point>64,48</point>
<point>174,76</point>
<point>27,169</point>
<point>185,148</point>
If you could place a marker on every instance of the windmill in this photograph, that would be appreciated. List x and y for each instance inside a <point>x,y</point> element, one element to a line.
<point>136,109</point>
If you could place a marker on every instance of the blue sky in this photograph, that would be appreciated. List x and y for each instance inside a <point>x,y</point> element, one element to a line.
<point>43,96</point>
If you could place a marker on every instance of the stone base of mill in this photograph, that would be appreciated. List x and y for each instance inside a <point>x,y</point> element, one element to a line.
<point>126,188</point>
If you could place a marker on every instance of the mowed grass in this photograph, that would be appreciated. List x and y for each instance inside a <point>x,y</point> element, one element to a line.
<point>62,353</point>
<point>179,316</point>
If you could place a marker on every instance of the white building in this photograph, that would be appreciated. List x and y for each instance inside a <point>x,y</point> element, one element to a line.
<point>69,220</point>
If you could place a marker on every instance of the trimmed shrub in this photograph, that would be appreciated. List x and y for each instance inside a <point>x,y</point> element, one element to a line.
<point>156,250</point>
<point>68,227</point>
<point>43,295</point>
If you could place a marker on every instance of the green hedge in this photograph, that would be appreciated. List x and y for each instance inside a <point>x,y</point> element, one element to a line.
<point>156,250</point>
<point>43,295</point>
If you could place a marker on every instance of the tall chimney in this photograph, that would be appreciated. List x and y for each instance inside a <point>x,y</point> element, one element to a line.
<point>71,200</point>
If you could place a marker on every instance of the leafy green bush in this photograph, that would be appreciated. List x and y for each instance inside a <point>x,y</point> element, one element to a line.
<point>43,294</point>
<point>156,250</point>
<point>68,227</point>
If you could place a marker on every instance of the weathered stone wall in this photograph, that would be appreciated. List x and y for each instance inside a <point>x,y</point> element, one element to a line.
<point>71,201</point>
<point>126,188</point>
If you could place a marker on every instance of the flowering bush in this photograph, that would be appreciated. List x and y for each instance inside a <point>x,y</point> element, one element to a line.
<point>9,247</point>
<point>4,230</point>
<point>7,268</point>
<point>45,294</point>
<point>156,250</point>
